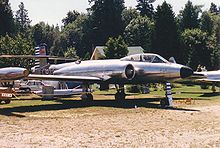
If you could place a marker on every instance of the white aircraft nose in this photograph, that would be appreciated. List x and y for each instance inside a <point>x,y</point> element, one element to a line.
<point>185,72</point>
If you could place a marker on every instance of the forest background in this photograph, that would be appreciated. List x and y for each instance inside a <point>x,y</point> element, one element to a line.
<point>192,36</point>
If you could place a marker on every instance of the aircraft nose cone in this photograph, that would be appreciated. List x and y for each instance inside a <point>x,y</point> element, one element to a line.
<point>185,72</point>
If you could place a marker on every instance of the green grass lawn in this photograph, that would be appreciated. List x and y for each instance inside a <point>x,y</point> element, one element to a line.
<point>179,92</point>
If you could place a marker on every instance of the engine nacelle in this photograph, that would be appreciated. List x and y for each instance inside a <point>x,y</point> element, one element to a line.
<point>13,73</point>
<point>129,72</point>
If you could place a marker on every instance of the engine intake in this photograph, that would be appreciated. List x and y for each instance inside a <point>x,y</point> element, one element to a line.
<point>129,72</point>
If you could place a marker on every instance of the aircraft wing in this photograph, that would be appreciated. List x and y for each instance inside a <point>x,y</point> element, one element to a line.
<point>64,78</point>
<point>38,57</point>
<point>208,80</point>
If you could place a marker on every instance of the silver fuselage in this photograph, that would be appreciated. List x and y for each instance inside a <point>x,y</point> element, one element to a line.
<point>113,71</point>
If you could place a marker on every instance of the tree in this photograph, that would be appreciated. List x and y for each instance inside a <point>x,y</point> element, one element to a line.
<point>139,33</point>
<point>146,8</point>
<point>115,48</point>
<point>44,33</point>
<point>200,48</point>
<point>71,17</point>
<point>71,53</point>
<point>16,45</point>
<point>129,14</point>
<point>189,16</point>
<point>214,9</point>
<point>75,35</point>
<point>207,24</point>
<point>210,23</point>
<point>106,20</point>
<point>165,40</point>
<point>7,25</point>
<point>22,19</point>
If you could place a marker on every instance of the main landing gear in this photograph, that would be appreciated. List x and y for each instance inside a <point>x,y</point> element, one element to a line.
<point>120,95</point>
<point>86,96</point>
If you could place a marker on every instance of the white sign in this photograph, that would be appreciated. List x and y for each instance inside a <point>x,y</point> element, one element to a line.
<point>6,95</point>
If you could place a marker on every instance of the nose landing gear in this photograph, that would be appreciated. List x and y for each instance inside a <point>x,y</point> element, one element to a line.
<point>120,95</point>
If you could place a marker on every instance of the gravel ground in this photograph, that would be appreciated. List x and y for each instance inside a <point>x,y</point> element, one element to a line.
<point>196,125</point>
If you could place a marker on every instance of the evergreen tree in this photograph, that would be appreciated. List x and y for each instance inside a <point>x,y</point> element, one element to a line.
<point>139,33</point>
<point>44,33</point>
<point>116,48</point>
<point>214,9</point>
<point>200,48</point>
<point>74,35</point>
<point>128,15</point>
<point>207,24</point>
<point>146,8</point>
<point>22,19</point>
<point>189,17</point>
<point>165,41</point>
<point>106,20</point>
<point>7,25</point>
<point>71,17</point>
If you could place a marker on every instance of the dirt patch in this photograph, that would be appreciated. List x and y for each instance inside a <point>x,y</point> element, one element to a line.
<point>185,126</point>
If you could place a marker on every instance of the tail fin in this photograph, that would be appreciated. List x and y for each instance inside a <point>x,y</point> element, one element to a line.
<point>172,60</point>
<point>41,63</point>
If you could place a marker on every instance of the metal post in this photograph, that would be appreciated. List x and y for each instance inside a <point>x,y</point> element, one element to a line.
<point>169,98</point>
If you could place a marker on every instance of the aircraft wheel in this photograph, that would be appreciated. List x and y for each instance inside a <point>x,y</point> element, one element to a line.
<point>27,90</point>
<point>7,101</point>
<point>120,96</point>
<point>87,97</point>
<point>163,103</point>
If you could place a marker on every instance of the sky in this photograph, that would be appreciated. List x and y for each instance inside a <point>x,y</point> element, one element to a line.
<point>53,11</point>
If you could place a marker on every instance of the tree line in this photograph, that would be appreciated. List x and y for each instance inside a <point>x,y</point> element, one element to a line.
<point>192,36</point>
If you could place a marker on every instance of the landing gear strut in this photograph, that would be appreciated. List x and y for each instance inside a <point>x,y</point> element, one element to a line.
<point>168,101</point>
<point>213,88</point>
<point>86,96</point>
<point>120,95</point>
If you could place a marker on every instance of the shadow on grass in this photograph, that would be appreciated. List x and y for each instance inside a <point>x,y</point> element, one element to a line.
<point>69,104</point>
<point>194,92</point>
<point>210,94</point>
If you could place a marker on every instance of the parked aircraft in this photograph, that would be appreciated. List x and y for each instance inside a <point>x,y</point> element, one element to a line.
<point>9,74</point>
<point>134,69</point>
<point>207,77</point>
<point>7,77</point>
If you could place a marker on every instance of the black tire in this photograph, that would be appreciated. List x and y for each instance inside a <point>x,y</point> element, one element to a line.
<point>87,97</point>
<point>7,101</point>
<point>27,90</point>
<point>163,103</point>
<point>120,96</point>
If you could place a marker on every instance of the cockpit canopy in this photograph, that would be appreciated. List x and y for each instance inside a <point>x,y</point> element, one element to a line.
<point>147,57</point>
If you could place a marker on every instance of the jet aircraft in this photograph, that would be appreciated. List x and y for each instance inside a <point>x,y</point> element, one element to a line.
<point>134,69</point>
<point>207,77</point>
<point>7,77</point>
